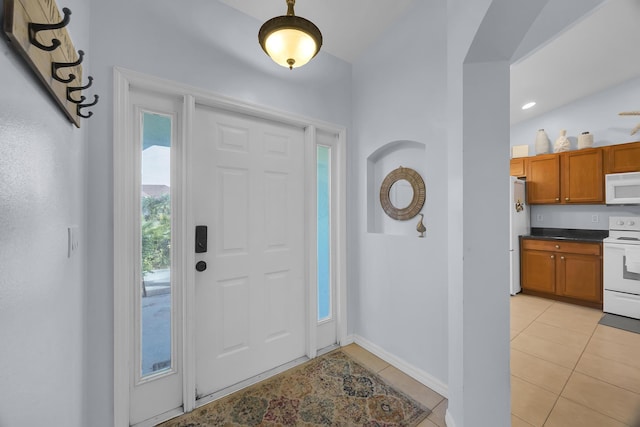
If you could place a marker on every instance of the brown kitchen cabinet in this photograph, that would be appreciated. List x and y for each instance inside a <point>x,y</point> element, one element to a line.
<point>517,167</point>
<point>582,176</point>
<point>562,270</point>
<point>565,178</point>
<point>543,179</point>
<point>623,158</point>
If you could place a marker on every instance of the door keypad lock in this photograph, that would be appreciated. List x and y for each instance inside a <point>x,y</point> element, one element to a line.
<point>201,239</point>
<point>201,245</point>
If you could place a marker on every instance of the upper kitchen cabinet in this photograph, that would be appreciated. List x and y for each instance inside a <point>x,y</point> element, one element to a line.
<point>582,176</point>
<point>543,179</point>
<point>623,158</point>
<point>566,178</point>
<point>517,167</point>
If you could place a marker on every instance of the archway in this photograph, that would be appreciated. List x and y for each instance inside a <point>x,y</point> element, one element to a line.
<point>479,392</point>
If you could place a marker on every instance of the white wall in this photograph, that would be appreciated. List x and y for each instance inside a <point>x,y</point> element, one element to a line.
<point>201,43</point>
<point>400,282</point>
<point>597,114</point>
<point>42,292</point>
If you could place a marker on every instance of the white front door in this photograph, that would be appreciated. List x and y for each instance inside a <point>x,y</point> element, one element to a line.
<point>254,183</point>
<point>248,189</point>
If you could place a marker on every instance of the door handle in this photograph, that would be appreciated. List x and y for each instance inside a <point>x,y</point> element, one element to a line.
<point>201,266</point>
<point>201,239</point>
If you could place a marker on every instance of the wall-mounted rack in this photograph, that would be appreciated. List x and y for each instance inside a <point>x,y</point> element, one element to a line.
<point>39,33</point>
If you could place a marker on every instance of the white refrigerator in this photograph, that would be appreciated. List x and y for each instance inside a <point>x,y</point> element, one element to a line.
<point>518,226</point>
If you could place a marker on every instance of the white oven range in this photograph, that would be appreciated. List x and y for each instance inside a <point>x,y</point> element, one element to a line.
<point>621,275</point>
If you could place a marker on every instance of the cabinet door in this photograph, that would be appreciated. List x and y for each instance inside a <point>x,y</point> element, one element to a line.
<point>582,176</point>
<point>623,158</point>
<point>539,271</point>
<point>579,276</point>
<point>543,179</point>
<point>516,167</point>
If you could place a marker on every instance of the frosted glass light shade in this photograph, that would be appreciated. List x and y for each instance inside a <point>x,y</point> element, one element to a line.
<point>291,41</point>
<point>286,45</point>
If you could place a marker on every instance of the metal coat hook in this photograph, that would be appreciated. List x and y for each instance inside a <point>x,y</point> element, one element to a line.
<point>36,28</point>
<point>78,101</point>
<point>71,89</point>
<point>55,66</point>
<point>80,106</point>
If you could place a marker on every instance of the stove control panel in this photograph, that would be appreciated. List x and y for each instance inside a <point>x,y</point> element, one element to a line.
<point>624,223</point>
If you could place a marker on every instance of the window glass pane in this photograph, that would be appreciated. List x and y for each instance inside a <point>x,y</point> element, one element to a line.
<point>156,244</point>
<point>324,233</point>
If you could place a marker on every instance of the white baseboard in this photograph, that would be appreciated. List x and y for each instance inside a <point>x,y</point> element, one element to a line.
<point>415,373</point>
<point>348,340</point>
<point>448,419</point>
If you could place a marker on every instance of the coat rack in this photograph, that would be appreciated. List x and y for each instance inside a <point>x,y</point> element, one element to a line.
<point>39,33</point>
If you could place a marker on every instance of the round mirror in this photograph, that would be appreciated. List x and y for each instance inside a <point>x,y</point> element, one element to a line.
<point>402,193</point>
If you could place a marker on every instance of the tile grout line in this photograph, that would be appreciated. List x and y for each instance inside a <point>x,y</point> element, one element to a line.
<point>566,382</point>
<point>573,370</point>
<point>591,336</point>
<point>530,323</point>
<point>522,379</point>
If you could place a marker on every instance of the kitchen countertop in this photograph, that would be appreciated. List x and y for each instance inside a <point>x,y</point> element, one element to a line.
<point>577,235</point>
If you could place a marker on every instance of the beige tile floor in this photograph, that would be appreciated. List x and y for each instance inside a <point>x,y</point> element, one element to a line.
<point>567,370</point>
<point>404,383</point>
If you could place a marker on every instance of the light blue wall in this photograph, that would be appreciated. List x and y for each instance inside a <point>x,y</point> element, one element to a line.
<point>205,44</point>
<point>406,293</point>
<point>597,114</point>
<point>483,37</point>
<point>42,292</point>
<point>400,282</point>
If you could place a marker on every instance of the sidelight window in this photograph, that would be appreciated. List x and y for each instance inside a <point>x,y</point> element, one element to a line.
<point>324,232</point>
<point>154,313</point>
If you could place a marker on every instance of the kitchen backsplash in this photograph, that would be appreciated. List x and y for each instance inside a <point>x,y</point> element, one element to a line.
<point>590,217</point>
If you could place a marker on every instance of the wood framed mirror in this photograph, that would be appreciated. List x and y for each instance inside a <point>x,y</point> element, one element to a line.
<point>402,194</point>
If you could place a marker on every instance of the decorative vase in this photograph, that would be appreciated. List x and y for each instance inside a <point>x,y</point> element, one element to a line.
<point>562,143</point>
<point>585,140</point>
<point>542,142</point>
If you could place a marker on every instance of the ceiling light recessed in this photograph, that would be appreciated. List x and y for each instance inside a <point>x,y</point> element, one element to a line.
<point>528,105</point>
<point>291,41</point>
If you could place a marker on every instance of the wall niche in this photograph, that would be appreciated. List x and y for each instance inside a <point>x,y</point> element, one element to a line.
<point>392,155</point>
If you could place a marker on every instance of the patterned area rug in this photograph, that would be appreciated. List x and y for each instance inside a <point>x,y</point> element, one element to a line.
<point>331,390</point>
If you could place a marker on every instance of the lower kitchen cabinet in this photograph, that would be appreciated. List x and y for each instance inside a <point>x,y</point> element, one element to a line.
<point>538,271</point>
<point>566,271</point>
<point>580,277</point>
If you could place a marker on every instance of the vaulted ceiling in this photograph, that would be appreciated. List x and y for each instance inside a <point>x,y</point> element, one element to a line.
<point>598,51</point>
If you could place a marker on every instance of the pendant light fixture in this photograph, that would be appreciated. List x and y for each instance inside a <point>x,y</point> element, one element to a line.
<point>291,41</point>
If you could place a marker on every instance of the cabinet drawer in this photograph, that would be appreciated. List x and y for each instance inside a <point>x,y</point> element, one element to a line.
<point>562,246</point>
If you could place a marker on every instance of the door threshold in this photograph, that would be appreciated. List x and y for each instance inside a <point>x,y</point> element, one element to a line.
<point>327,349</point>
<point>201,401</point>
<point>154,421</point>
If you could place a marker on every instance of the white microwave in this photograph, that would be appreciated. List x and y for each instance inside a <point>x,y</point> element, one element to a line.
<point>622,188</point>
